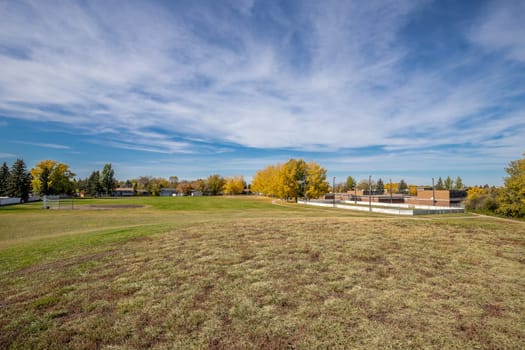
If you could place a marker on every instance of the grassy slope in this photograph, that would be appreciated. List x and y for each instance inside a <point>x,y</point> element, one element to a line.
<point>242,273</point>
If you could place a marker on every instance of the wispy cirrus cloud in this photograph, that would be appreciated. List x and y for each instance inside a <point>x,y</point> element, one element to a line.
<point>7,155</point>
<point>500,28</point>
<point>44,145</point>
<point>305,76</point>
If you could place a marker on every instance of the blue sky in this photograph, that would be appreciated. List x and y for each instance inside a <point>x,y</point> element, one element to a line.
<point>394,89</point>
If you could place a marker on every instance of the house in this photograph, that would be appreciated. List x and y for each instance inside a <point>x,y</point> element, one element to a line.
<point>168,192</point>
<point>124,192</point>
<point>195,193</point>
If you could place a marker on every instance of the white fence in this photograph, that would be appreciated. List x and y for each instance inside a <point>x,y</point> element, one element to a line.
<point>396,209</point>
<point>7,201</point>
<point>15,200</point>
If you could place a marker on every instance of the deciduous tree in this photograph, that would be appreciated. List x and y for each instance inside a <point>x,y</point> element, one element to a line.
<point>215,183</point>
<point>316,184</point>
<point>292,179</point>
<point>512,196</point>
<point>350,183</point>
<point>52,177</point>
<point>184,187</point>
<point>234,185</point>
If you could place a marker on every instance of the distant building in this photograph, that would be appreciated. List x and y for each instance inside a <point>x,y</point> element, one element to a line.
<point>439,198</point>
<point>425,196</point>
<point>168,192</point>
<point>124,192</point>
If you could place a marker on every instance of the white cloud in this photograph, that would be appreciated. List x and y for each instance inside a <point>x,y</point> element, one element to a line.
<point>501,28</point>
<point>7,155</point>
<point>215,77</point>
<point>44,145</point>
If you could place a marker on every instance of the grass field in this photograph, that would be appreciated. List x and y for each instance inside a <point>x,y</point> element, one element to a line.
<point>244,273</point>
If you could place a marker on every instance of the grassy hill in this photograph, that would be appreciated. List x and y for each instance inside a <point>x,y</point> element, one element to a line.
<point>245,273</point>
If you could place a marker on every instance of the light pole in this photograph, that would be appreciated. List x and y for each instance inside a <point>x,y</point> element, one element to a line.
<point>370,193</point>
<point>355,193</point>
<point>390,191</point>
<point>433,194</point>
<point>333,190</point>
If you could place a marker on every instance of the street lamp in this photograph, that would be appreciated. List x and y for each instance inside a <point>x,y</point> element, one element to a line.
<point>370,193</point>
<point>390,191</point>
<point>433,193</point>
<point>333,189</point>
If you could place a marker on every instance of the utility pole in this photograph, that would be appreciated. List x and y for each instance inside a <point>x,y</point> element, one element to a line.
<point>333,189</point>
<point>390,191</point>
<point>355,193</point>
<point>370,193</point>
<point>433,193</point>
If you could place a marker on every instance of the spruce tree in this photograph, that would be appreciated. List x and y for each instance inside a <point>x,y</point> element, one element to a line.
<point>458,183</point>
<point>403,187</point>
<point>107,179</point>
<point>380,186</point>
<point>4,179</point>
<point>93,184</point>
<point>439,184</point>
<point>448,183</point>
<point>19,184</point>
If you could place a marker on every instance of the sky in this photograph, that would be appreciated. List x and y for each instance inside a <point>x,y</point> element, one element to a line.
<point>393,89</point>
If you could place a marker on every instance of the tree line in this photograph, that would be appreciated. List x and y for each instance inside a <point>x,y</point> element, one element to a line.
<point>15,181</point>
<point>212,185</point>
<point>49,177</point>
<point>293,179</point>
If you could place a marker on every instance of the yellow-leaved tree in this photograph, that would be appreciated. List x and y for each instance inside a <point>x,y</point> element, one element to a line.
<point>511,197</point>
<point>52,177</point>
<point>293,179</point>
<point>234,185</point>
<point>316,184</point>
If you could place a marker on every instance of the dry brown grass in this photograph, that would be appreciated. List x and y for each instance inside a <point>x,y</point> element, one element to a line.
<point>293,282</point>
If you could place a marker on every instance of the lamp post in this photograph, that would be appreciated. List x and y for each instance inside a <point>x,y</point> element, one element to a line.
<point>370,193</point>
<point>355,193</point>
<point>390,191</point>
<point>333,190</point>
<point>433,193</point>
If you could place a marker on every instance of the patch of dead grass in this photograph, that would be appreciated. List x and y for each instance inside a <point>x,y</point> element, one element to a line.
<point>280,283</point>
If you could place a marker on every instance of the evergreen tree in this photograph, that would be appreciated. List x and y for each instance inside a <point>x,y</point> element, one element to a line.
<point>19,183</point>
<point>107,179</point>
<point>403,187</point>
<point>93,184</point>
<point>448,183</point>
<point>439,184</point>
<point>4,179</point>
<point>380,186</point>
<point>458,183</point>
